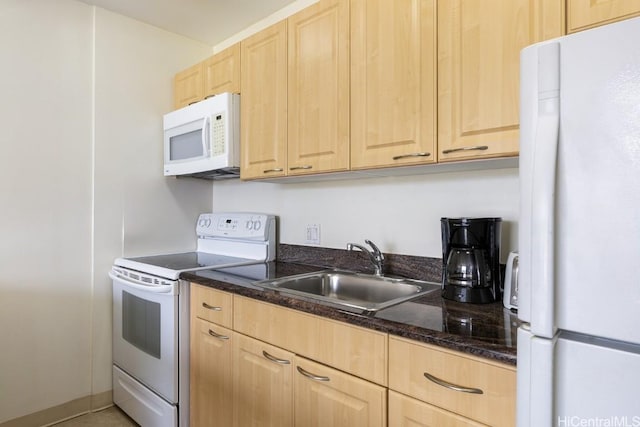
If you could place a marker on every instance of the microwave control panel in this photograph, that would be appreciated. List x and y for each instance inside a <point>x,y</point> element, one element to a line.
<point>219,133</point>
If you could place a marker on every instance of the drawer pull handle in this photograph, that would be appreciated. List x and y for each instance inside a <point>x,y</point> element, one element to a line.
<point>275,359</point>
<point>220,337</point>
<point>295,168</point>
<point>273,170</point>
<point>451,386</point>
<point>404,156</point>
<point>472,148</point>
<point>311,376</point>
<point>211,307</point>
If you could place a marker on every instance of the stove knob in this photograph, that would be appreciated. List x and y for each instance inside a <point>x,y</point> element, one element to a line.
<point>249,225</point>
<point>257,225</point>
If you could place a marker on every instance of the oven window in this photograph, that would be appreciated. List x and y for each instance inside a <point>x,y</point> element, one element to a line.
<point>141,323</point>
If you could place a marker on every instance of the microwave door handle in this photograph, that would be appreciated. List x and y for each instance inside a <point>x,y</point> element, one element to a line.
<point>205,136</point>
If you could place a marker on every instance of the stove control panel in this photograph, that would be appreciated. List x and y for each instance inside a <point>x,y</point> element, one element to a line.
<point>236,225</point>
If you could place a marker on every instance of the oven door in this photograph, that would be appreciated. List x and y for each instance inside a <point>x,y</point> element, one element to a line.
<point>145,331</point>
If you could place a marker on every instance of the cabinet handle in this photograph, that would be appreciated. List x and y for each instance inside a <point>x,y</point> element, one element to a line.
<point>220,337</point>
<point>295,168</point>
<point>472,148</point>
<point>452,386</point>
<point>211,307</point>
<point>275,359</point>
<point>209,96</point>
<point>404,156</point>
<point>273,170</point>
<point>311,376</point>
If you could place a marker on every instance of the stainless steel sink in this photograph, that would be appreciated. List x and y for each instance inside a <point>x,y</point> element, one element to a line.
<point>353,291</point>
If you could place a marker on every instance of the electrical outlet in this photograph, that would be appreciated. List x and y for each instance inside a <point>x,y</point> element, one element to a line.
<point>312,235</point>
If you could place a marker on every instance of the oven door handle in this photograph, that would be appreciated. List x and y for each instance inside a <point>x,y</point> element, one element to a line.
<point>132,283</point>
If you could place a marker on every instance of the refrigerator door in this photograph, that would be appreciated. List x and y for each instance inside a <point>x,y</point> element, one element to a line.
<point>598,190</point>
<point>574,380</point>
<point>579,227</point>
<point>596,382</point>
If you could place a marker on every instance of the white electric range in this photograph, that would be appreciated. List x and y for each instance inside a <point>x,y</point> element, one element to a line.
<point>151,313</point>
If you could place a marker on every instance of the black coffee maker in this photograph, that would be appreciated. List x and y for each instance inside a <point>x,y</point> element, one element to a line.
<point>471,259</point>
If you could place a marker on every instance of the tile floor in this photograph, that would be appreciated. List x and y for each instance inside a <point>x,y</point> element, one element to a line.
<point>110,417</point>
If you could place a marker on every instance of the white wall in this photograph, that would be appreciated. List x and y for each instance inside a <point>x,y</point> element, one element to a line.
<point>400,214</point>
<point>137,210</point>
<point>78,189</point>
<point>45,200</point>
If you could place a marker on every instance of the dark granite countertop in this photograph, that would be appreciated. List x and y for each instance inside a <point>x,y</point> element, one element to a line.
<point>483,330</point>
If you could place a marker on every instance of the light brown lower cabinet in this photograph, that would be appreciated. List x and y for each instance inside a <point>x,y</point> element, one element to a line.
<point>327,397</point>
<point>279,367</point>
<point>408,412</point>
<point>211,380</point>
<point>475,388</point>
<point>263,384</point>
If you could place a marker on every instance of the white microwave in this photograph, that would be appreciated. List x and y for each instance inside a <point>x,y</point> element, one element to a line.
<point>203,139</point>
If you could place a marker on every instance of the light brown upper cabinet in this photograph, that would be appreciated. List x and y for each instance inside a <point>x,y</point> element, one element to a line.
<point>217,74</point>
<point>583,14</point>
<point>318,90</point>
<point>187,86</point>
<point>222,72</point>
<point>263,106</point>
<point>479,45</point>
<point>393,83</point>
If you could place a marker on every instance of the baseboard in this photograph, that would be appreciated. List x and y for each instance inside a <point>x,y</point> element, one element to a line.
<point>101,400</point>
<point>62,412</point>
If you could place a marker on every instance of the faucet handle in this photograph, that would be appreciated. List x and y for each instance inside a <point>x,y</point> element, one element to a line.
<point>375,248</point>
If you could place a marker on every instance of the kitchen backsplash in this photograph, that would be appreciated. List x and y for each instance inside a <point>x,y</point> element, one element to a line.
<point>415,267</point>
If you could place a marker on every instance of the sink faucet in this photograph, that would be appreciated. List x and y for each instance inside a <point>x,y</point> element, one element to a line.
<point>375,255</point>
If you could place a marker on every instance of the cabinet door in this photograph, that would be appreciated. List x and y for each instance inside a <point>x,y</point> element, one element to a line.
<point>222,72</point>
<point>318,104</point>
<point>188,86</point>
<point>407,412</point>
<point>582,14</point>
<point>264,103</point>
<point>472,387</point>
<point>263,384</point>
<point>479,45</point>
<point>327,397</point>
<point>211,379</point>
<point>393,82</point>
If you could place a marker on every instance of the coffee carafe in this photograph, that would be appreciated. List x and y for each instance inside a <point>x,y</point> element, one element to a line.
<point>471,259</point>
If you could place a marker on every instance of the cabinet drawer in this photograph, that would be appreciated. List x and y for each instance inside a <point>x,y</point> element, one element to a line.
<point>361,352</point>
<point>405,411</point>
<point>328,397</point>
<point>409,361</point>
<point>212,305</point>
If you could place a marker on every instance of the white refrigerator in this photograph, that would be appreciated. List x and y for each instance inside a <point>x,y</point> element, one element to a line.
<point>579,230</point>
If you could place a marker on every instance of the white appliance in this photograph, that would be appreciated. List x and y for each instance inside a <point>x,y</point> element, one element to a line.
<point>203,139</point>
<point>579,230</point>
<point>151,313</point>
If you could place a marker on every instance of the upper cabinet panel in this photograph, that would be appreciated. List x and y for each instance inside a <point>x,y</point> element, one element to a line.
<point>479,47</point>
<point>583,14</point>
<point>264,104</point>
<point>318,99</point>
<point>217,74</point>
<point>222,72</point>
<point>188,87</point>
<point>393,82</point>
